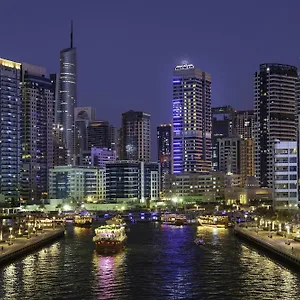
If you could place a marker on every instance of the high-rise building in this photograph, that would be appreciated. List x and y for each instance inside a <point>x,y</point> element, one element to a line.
<point>99,135</point>
<point>285,175</point>
<point>60,153</point>
<point>222,127</point>
<point>164,147</point>
<point>10,113</point>
<point>83,116</point>
<point>236,156</point>
<point>113,137</point>
<point>192,145</point>
<point>274,115</point>
<point>243,121</point>
<point>135,136</point>
<point>67,99</point>
<point>55,90</point>
<point>229,153</point>
<point>36,133</point>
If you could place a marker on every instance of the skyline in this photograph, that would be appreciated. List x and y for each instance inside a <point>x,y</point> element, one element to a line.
<point>89,26</point>
<point>107,36</point>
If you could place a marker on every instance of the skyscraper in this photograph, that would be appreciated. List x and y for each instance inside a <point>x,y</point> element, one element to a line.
<point>99,135</point>
<point>192,145</point>
<point>10,113</point>
<point>164,149</point>
<point>83,116</point>
<point>274,115</point>
<point>243,124</point>
<point>60,153</point>
<point>222,127</point>
<point>236,156</point>
<point>37,133</point>
<point>135,136</point>
<point>67,97</point>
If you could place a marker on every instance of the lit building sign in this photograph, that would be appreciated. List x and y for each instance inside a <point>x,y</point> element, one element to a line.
<point>184,67</point>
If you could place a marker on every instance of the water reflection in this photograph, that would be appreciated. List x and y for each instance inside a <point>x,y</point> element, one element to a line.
<point>109,276</point>
<point>160,262</point>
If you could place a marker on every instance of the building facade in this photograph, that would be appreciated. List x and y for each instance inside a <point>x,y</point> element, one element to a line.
<point>83,116</point>
<point>164,150</point>
<point>222,127</point>
<point>133,181</point>
<point>77,183</point>
<point>67,99</point>
<point>99,135</point>
<point>135,136</point>
<point>10,133</point>
<point>243,122</point>
<point>102,156</point>
<point>285,186</point>
<point>192,145</point>
<point>236,156</point>
<point>274,115</point>
<point>36,133</point>
<point>196,187</point>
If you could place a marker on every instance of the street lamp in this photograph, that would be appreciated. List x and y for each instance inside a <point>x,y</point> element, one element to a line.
<point>10,235</point>
<point>256,224</point>
<point>28,229</point>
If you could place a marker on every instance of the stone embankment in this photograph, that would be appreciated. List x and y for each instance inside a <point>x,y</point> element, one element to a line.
<point>287,251</point>
<point>23,245</point>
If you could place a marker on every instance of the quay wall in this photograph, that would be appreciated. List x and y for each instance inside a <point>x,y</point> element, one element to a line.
<point>25,249</point>
<point>261,242</point>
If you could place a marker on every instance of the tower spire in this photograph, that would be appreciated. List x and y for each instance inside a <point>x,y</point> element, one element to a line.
<point>71,33</point>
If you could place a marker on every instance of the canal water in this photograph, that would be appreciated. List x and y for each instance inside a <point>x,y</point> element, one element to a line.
<point>160,262</point>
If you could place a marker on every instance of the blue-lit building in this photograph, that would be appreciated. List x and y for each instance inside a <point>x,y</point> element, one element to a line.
<point>10,139</point>
<point>192,144</point>
<point>37,133</point>
<point>133,181</point>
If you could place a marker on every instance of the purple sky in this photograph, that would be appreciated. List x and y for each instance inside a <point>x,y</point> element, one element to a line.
<point>126,50</point>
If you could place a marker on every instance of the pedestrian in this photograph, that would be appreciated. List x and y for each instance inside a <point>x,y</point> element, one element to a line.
<point>2,248</point>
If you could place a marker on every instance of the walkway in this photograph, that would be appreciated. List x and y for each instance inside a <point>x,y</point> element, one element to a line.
<point>23,242</point>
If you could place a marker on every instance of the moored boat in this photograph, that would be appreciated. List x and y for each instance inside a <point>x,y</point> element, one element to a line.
<point>116,220</point>
<point>173,219</point>
<point>109,239</point>
<point>83,221</point>
<point>213,221</point>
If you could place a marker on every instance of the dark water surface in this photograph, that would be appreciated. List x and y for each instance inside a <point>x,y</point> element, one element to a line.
<point>160,262</point>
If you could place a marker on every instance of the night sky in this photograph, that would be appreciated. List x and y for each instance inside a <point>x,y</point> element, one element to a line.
<point>126,50</point>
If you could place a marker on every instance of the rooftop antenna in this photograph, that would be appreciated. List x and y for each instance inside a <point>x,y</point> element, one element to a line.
<point>71,33</point>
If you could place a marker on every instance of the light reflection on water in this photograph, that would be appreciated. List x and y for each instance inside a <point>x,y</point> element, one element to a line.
<point>159,262</point>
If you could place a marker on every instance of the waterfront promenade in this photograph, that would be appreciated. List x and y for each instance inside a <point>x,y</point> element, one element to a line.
<point>23,245</point>
<point>286,249</point>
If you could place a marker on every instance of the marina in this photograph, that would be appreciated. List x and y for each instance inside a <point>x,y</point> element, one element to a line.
<point>158,262</point>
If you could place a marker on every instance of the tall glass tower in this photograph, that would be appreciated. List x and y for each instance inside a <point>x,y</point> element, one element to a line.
<point>274,115</point>
<point>10,143</point>
<point>135,140</point>
<point>192,146</point>
<point>37,133</point>
<point>67,97</point>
